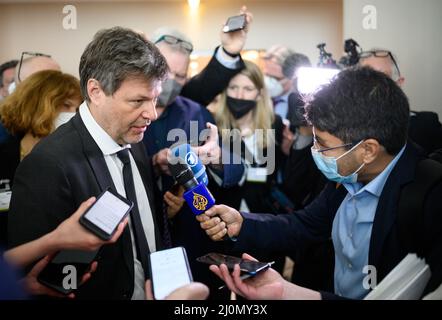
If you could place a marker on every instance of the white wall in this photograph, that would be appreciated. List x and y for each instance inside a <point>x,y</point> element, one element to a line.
<point>38,26</point>
<point>412,30</point>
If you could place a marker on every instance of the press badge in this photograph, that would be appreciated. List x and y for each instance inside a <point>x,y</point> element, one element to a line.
<point>5,195</point>
<point>256,175</point>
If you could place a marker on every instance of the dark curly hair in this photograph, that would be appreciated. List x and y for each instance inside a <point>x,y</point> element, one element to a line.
<point>361,103</point>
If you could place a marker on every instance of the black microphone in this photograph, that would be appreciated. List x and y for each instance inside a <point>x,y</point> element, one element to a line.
<point>197,196</point>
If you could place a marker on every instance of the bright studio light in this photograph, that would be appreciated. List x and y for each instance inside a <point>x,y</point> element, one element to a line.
<point>193,4</point>
<point>310,79</point>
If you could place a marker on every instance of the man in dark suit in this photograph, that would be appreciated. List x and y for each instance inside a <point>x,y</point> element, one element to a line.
<point>120,76</point>
<point>360,122</point>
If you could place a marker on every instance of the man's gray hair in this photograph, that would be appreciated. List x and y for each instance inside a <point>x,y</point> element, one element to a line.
<point>292,62</point>
<point>278,53</point>
<point>117,54</point>
<point>159,33</point>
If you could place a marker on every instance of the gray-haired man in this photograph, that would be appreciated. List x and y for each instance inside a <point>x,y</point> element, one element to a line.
<point>120,76</point>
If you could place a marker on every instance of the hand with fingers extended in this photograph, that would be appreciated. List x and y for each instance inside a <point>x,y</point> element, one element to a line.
<point>160,162</point>
<point>221,220</point>
<point>174,200</point>
<point>33,287</point>
<point>266,285</point>
<point>210,152</point>
<point>191,291</point>
<point>70,234</point>
<point>233,42</point>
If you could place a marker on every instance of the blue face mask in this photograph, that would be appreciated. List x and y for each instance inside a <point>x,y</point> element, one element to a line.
<point>329,166</point>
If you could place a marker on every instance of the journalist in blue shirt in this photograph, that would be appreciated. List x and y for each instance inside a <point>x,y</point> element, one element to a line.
<point>360,125</point>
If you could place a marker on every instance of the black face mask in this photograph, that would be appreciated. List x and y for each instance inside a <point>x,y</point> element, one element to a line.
<point>239,107</point>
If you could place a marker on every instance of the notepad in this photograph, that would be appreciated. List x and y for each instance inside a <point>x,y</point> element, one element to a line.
<point>406,281</point>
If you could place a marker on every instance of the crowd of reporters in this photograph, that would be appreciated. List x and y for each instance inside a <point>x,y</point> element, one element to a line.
<point>275,174</point>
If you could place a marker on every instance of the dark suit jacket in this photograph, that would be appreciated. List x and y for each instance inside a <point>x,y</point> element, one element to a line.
<point>426,130</point>
<point>282,233</point>
<point>62,171</point>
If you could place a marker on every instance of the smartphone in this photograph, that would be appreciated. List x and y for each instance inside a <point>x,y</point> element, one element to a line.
<point>65,271</point>
<point>247,267</point>
<point>235,23</point>
<point>169,270</point>
<point>105,214</point>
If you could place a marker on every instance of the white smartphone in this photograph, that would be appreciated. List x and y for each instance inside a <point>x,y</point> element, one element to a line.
<point>169,270</point>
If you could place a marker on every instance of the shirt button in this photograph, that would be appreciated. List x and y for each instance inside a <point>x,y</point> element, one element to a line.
<point>350,235</point>
<point>350,265</point>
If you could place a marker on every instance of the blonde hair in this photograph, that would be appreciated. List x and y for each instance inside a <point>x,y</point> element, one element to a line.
<point>36,102</point>
<point>262,115</point>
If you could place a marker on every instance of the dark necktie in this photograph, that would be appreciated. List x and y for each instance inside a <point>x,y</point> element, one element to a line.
<point>140,237</point>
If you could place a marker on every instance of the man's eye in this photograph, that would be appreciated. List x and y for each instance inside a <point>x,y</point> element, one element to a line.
<point>137,102</point>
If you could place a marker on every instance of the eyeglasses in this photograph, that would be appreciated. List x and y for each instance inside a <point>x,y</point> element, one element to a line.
<point>174,40</point>
<point>317,149</point>
<point>380,54</point>
<point>34,54</point>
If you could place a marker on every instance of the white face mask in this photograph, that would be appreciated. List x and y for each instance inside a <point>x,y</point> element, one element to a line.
<point>11,87</point>
<point>274,87</point>
<point>62,118</point>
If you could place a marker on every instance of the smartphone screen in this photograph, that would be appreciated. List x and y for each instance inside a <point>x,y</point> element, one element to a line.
<point>66,269</point>
<point>105,214</point>
<point>235,23</point>
<point>169,270</point>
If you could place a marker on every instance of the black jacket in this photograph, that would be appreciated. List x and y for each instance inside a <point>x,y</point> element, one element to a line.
<point>63,170</point>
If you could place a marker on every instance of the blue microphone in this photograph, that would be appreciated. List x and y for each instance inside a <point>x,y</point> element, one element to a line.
<point>184,152</point>
<point>197,196</point>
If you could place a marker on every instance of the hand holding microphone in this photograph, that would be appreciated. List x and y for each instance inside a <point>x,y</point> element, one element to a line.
<point>221,222</point>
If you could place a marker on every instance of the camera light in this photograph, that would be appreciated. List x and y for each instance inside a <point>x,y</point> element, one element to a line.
<point>311,79</point>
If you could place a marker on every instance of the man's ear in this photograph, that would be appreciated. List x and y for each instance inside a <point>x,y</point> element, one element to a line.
<point>94,91</point>
<point>372,148</point>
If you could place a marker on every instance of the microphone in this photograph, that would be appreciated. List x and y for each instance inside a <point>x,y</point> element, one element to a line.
<point>197,196</point>
<point>184,152</point>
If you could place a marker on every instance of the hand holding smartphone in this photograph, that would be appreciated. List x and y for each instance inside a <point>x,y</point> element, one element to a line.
<point>65,271</point>
<point>169,270</point>
<point>107,212</point>
<point>248,268</point>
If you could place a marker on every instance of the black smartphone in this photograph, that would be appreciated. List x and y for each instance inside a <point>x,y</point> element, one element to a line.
<point>235,23</point>
<point>247,267</point>
<point>107,212</point>
<point>169,269</point>
<point>66,269</point>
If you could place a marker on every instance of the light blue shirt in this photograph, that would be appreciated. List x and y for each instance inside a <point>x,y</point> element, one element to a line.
<point>230,64</point>
<point>282,107</point>
<point>351,232</point>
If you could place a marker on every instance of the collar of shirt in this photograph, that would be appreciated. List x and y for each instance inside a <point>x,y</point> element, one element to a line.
<point>104,141</point>
<point>284,98</point>
<point>375,186</point>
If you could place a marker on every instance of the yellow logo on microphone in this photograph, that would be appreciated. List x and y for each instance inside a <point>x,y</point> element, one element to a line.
<point>199,201</point>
